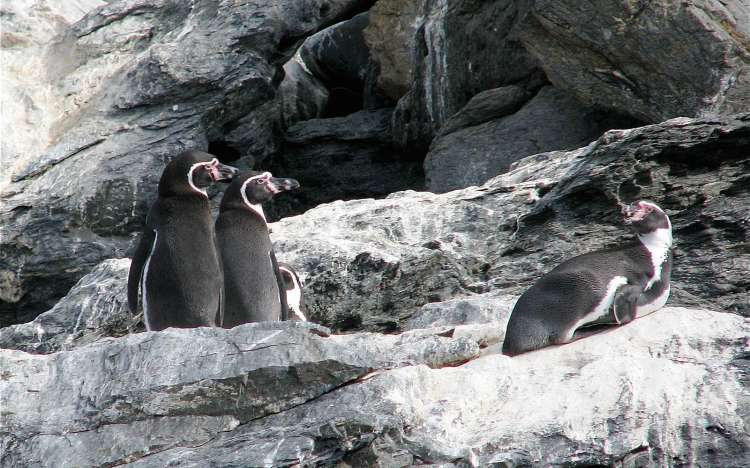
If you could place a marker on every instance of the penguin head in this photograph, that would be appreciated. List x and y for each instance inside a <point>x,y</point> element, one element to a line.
<point>645,217</point>
<point>253,188</point>
<point>191,172</point>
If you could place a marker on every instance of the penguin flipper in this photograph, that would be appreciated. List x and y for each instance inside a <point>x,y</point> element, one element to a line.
<point>140,256</point>
<point>282,287</point>
<point>625,303</point>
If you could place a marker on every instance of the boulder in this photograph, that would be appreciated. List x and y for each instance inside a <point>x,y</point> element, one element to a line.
<point>552,120</point>
<point>96,307</point>
<point>342,158</point>
<point>653,60</point>
<point>669,388</point>
<point>458,48</point>
<point>372,264</point>
<point>135,83</point>
<point>120,400</point>
<point>303,96</point>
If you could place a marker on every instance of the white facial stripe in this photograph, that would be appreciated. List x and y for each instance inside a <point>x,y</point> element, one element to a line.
<point>254,206</point>
<point>294,296</point>
<point>190,178</point>
<point>144,294</point>
<point>603,307</point>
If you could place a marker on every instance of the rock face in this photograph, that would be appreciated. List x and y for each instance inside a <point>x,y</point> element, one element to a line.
<point>659,391</point>
<point>552,120</point>
<point>652,60</point>
<point>138,81</point>
<point>96,307</point>
<point>457,49</point>
<point>377,261</point>
<point>343,158</point>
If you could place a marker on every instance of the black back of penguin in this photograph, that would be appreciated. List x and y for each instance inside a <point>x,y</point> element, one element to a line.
<point>610,286</point>
<point>253,286</point>
<point>176,265</point>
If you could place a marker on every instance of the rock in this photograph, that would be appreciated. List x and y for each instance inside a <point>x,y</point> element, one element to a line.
<point>342,158</point>
<point>120,400</point>
<point>485,106</point>
<point>552,120</point>
<point>480,309</point>
<point>670,388</point>
<point>653,61</point>
<point>303,96</point>
<point>460,48</point>
<point>135,83</point>
<point>372,264</point>
<point>96,307</point>
<point>390,36</point>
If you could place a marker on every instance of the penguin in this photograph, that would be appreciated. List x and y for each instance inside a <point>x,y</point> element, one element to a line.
<point>605,287</point>
<point>293,290</point>
<point>253,286</point>
<point>176,264</point>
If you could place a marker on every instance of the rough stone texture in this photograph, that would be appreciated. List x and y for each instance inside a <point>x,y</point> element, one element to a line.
<point>123,399</point>
<point>651,60</point>
<point>342,158</point>
<point>666,390</point>
<point>303,96</point>
<point>552,120</point>
<point>96,307</point>
<point>139,80</point>
<point>390,36</point>
<point>459,48</point>
<point>371,264</point>
<point>485,106</point>
<point>339,57</point>
<point>480,309</point>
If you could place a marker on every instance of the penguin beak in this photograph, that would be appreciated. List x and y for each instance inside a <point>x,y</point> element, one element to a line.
<point>221,171</point>
<point>277,184</point>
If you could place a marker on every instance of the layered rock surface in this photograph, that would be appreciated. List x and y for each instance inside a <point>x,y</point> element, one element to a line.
<point>667,389</point>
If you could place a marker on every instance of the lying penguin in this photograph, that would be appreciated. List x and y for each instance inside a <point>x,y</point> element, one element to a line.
<point>176,264</point>
<point>253,285</point>
<point>293,287</point>
<point>611,286</point>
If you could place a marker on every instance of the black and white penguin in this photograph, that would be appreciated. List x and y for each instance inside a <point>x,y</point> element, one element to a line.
<point>293,287</point>
<point>176,263</point>
<point>253,286</point>
<point>611,286</point>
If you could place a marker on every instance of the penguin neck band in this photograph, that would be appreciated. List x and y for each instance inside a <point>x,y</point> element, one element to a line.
<point>190,179</point>
<point>256,207</point>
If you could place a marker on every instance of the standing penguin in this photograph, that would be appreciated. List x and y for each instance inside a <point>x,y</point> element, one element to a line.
<point>176,264</point>
<point>293,288</point>
<point>603,287</point>
<point>253,286</point>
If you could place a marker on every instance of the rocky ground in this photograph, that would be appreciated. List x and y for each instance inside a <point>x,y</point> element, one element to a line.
<point>450,152</point>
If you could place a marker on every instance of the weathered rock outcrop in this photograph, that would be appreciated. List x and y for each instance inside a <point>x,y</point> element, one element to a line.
<point>139,81</point>
<point>343,158</point>
<point>96,307</point>
<point>667,389</point>
<point>552,120</point>
<point>376,262</point>
<point>651,60</point>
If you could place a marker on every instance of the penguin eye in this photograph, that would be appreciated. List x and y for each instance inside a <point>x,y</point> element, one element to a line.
<point>260,181</point>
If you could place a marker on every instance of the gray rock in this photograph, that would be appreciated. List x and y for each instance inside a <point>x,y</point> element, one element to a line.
<point>371,264</point>
<point>485,106</point>
<point>119,400</point>
<point>667,389</point>
<point>96,307</point>
<point>652,60</point>
<point>458,49</point>
<point>552,120</point>
<point>342,158</point>
<point>480,309</point>
<point>135,82</point>
<point>339,57</point>
<point>303,96</point>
